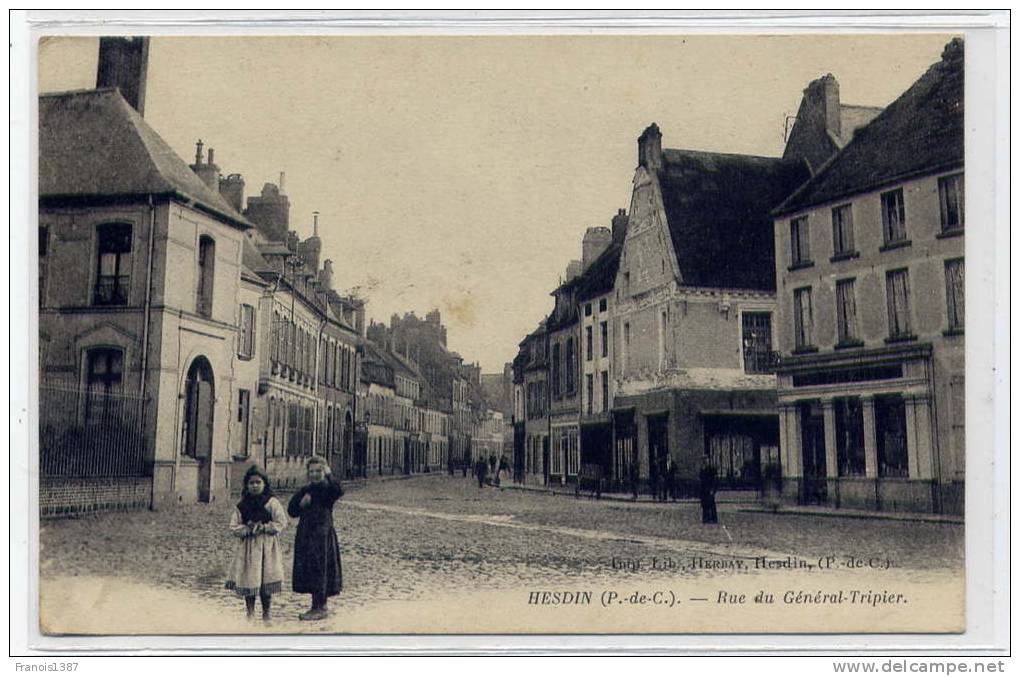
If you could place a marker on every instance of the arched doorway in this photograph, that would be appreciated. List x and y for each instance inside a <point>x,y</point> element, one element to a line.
<point>199,402</point>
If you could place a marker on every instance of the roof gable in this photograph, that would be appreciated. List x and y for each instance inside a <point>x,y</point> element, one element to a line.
<point>921,132</point>
<point>92,144</point>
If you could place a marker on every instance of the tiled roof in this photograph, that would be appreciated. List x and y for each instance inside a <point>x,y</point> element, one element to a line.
<point>919,133</point>
<point>718,209</point>
<point>93,144</point>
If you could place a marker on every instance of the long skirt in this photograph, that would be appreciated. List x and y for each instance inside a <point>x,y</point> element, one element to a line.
<point>317,567</point>
<point>257,567</point>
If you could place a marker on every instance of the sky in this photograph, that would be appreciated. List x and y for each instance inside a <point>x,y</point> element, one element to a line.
<point>461,173</point>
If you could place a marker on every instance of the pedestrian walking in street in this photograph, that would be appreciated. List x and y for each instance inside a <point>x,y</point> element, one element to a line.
<point>632,472</point>
<point>256,522</point>
<point>504,466</point>
<point>671,487</point>
<point>465,463</point>
<point>708,479</point>
<point>481,468</point>
<point>317,568</point>
<point>492,464</point>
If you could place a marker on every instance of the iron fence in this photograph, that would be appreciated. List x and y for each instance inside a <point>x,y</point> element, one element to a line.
<point>89,433</point>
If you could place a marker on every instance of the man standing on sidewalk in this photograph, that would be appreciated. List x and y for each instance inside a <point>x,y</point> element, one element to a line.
<point>707,477</point>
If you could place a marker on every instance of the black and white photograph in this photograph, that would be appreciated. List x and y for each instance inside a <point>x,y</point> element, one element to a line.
<point>501,334</point>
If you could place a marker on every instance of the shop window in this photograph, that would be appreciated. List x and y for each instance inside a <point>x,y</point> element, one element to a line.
<point>849,436</point>
<point>891,436</point>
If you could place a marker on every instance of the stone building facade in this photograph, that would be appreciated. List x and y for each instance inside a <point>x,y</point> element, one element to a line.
<point>871,311</point>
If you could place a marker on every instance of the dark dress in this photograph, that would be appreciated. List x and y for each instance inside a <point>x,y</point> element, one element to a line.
<point>708,480</point>
<point>317,567</point>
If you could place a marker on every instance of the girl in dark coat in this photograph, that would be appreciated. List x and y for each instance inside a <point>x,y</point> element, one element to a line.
<point>317,569</point>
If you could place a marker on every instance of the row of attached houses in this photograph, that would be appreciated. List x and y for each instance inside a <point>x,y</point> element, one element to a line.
<point>797,319</point>
<point>181,336</point>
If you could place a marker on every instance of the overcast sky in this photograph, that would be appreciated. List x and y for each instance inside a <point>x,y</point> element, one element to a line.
<point>461,173</point>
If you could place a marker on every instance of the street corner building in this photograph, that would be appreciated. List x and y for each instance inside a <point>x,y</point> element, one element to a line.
<point>699,323</point>
<point>870,269</point>
<point>180,340</point>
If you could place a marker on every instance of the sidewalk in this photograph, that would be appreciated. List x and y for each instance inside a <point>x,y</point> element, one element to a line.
<point>751,505</point>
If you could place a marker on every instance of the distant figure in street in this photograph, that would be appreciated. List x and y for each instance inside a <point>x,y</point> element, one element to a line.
<point>707,477</point>
<point>671,488</point>
<point>504,465</point>
<point>633,475</point>
<point>481,469</point>
<point>256,522</point>
<point>492,464</point>
<point>317,568</point>
<point>465,461</point>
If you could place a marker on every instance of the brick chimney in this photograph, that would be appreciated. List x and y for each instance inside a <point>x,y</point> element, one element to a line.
<point>823,96</point>
<point>232,190</point>
<point>620,221</point>
<point>596,240</point>
<point>650,148</point>
<point>207,171</point>
<point>124,64</point>
<point>326,275</point>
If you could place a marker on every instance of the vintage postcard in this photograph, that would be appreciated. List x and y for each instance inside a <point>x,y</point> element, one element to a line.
<point>561,334</point>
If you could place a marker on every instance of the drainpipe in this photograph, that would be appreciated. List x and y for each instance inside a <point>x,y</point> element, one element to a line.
<point>318,385</point>
<point>145,344</point>
<point>148,306</point>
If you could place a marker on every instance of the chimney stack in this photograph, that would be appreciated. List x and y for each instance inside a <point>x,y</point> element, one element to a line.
<point>326,275</point>
<point>596,240</point>
<point>124,64</point>
<point>620,221</point>
<point>282,176</point>
<point>315,222</point>
<point>207,171</point>
<point>650,148</point>
<point>232,189</point>
<point>823,94</point>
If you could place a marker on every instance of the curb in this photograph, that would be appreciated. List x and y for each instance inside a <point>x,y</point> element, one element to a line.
<point>879,516</point>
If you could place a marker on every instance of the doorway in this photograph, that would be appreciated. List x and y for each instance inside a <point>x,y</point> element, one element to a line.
<point>198,422</point>
<point>812,434</point>
<point>658,449</point>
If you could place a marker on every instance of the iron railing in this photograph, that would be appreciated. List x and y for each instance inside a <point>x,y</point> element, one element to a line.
<point>86,433</point>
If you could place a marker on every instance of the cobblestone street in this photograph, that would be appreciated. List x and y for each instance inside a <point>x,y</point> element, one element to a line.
<point>438,537</point>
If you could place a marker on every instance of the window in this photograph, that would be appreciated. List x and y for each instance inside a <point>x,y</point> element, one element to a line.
<point>626,283</point>
<point>113,275</point>
<point>891,436</point>
<point>846,312</point>
<point>246,346</point>
<point>556,370</point>
<point>800,245</point>
<point>277,336</point>
<point>954,293</point>
<point>951,201</point>
<point>605,391</point>
<point>587,309</point>
<point>662,340</point>
<point>243,405</point>
<point>898,301</point>
<point>588,350</point>
<point>605,338</point>
<point>756,339</point>
<point>206,272</point>
<point>894,220</point>
<point>104,373</point>
<point>44,239</point>
<point>849,415</point>
<point>571,366</point>
<point>590,392</point>
<point>802,320</point>
<point>842,231</point>
<point>626,345</point>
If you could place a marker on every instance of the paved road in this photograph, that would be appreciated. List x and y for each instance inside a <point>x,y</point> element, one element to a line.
<point>439,537</point>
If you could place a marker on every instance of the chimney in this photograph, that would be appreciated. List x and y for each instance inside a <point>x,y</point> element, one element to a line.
<point>596,240</point>
<point>620,221</point>
<point>232,189</point>
<point>124,64</point>
<point>650,148</point>
<point>574,269</point>
<point>315,221</point>
<point>823,95</point>
<point>326,275</point>
<point>282,176</point>
<point>207,171</point>
<point>292,241</point>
